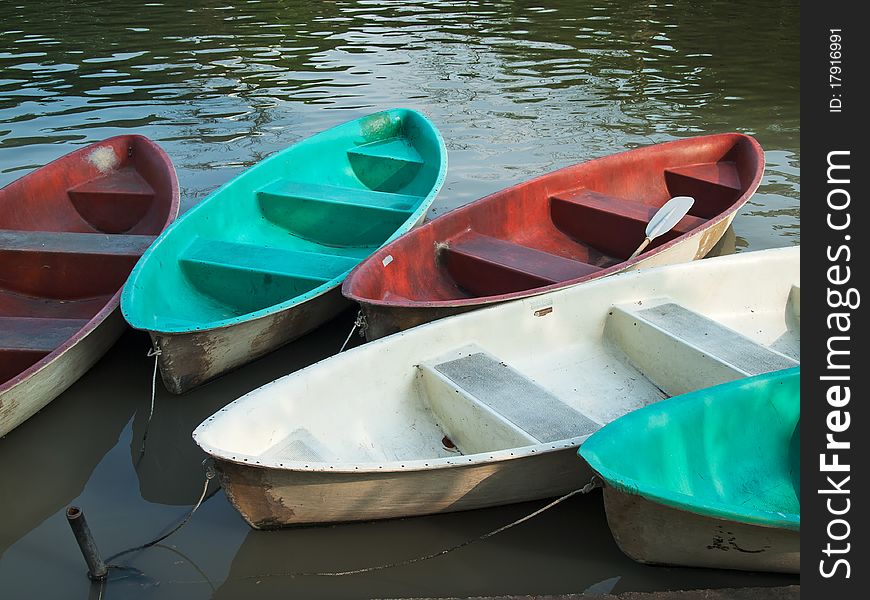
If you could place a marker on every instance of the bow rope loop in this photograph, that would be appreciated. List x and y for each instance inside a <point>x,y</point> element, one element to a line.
<point>360,323</point>
<point>155,352</point>
<point>210,472</point>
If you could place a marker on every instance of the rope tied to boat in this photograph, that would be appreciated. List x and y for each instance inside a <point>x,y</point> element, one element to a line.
<point>210,473</point>
<point>359,323</point>
<point>595,482</point>
<point>155,352</point>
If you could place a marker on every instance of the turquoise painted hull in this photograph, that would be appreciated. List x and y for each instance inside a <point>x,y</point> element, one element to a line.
<point>258,262</point>
<point>710,478</point>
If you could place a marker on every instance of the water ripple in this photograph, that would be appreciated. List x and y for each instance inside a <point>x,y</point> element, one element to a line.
<point>517,88</point>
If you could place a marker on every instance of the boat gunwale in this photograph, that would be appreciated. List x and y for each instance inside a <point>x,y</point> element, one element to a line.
<point>475,301</point>
<point>413,219</point>
<point>393,466</point>
<point>680,501</point>
<point>114,302</point>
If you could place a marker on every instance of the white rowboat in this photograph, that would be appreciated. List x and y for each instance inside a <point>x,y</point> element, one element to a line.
<point>489,407</point>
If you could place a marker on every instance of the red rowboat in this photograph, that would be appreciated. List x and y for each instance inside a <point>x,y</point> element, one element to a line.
<point>564,228</point>
<point>70,234</point>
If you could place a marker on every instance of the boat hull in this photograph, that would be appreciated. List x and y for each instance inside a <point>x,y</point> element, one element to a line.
<point>650,532</point>
<point>564,228</point>
<point>190,359</point>
<point>70,233</point>
<point>258,262</point>
<point>272,498</point>
<point>29,395</point>
<point>425,422</point>
<point>382,320</point>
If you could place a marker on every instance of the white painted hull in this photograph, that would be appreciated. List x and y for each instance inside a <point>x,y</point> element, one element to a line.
<point>367,434</point>
<point>24,399</point>
<point>266,497</point>
<point>192,358</point>
<point>652,533</point>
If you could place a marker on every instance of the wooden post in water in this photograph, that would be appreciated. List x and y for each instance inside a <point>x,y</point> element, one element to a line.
<point>97,569</point>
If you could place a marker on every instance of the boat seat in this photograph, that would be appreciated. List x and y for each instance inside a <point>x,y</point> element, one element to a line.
<point>335,215</point>
<point>68,242</point>
<point>249,277</point>
<point>26,340</point>
<point>485,405</point>
<point>614,226</point>
<point>486,265</point>
<point>386,164</point>
<point>13,304</point>
<point>299,446</point>
<point>36,335</point>
<point>714,186</point>
<point>680,350</point>
<point>67,265</point>
<point>114,202</point>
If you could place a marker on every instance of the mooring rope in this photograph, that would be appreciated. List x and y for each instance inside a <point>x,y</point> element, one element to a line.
<point>209,475</point>
<point>359,322</point>
<point>197,568</point>
<point>594,483</point>
<point>155,352</point>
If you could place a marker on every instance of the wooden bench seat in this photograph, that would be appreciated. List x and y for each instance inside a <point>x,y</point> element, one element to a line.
<point>614,226</point>
<point>486,405</point>
<point>115,202</point>
<point>249,277</point>
<point>680,350</point>
<point>714,186</point>
<point>486,265</point>
<point>24,341</point>
<point>355,216</point>
<point>389,164</point>
<point>67,265</point>
<point>36,334</point>
<point>67,242</point>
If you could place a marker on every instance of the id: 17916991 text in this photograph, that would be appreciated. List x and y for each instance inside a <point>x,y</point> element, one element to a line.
<point>835,70</point>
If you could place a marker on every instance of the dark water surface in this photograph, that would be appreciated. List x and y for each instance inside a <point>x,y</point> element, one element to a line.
<point>517,89</point>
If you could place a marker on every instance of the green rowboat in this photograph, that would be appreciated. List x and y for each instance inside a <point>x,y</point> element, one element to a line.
<point>709,478</point>
<point>259,262</point>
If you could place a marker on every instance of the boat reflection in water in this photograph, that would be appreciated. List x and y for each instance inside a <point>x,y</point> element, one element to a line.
<point>170,468</point>
<point>81,425</point>
<point>519,561</point>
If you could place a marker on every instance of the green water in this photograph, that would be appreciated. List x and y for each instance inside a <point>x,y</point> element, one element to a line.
<point>516,88</point>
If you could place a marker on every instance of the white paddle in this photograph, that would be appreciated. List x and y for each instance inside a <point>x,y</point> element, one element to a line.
<point>665,219</point>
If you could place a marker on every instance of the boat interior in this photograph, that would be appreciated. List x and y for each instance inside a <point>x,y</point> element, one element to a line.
<point>566,226</point>
<point>536,389</point>
<point>292,224</point>
<point>69,236</point>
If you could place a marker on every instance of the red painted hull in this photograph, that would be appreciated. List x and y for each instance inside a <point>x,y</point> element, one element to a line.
<point>564,228</point>
<point>70,233</point>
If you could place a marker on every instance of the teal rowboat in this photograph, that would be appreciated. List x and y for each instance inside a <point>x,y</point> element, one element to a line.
<point>709,478</point>
<point>259,262</point>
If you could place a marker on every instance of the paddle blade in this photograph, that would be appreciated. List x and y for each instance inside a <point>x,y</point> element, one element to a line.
<point>668,216</point>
